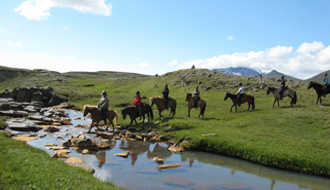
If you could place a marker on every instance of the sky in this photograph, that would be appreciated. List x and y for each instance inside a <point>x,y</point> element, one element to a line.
<point>156,37</point>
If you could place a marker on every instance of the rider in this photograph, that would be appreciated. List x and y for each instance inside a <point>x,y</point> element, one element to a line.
<point>196,96</point>
<point>166,92</point>
<point>137,103</point>
<point>239,93</point>
<point>103,106</point>
<point>325,83</point>
<point>282,88</point>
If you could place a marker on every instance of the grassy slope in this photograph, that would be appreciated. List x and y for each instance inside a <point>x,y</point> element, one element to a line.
<point>288,138</point>
<point>25,167</point>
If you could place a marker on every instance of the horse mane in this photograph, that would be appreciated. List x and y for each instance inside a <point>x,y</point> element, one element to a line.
<point>271,88</point>
<point>316,83</point>
<point>151,99</point>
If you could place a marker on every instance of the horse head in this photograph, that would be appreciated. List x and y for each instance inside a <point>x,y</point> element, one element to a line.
<point>124,113</point>
<point>188,96</point>
<point>151,99</point>
<point>268,90</point>
<point>310,85</point>
<point>226,96</point>
<point>85,110</point>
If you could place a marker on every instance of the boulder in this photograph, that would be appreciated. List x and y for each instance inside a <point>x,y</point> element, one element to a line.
<point>101,144</point>
<point>176,148</point>
<point>74,160</point>
<point>51,129</point>
<point>86,144</point>
<point>168,166</point>
<point>124,155</point>
<point>13,113</point>
<point>105,135</point>
<point>22,125</point>
<point>66,143</point>
<point>158,160</point>
<point>25,138</point>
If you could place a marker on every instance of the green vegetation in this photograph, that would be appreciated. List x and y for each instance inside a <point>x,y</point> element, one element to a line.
<point>3,124</point>
<point>25,167</point>
<point>295,139</point>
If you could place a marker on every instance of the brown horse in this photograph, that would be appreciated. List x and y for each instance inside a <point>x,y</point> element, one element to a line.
<point>247,98</point>
<point>160,103</point>
<point>111,115</point>
<point>191,104</point>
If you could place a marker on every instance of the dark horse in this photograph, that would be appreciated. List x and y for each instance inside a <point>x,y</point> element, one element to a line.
<point>287,92</point>
<point>191,104</point>
<point>247,98</point>
<point>133,112</point>
<point>319,89</point>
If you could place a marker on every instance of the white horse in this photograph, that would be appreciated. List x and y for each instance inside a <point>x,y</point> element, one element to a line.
<point>287,92</point>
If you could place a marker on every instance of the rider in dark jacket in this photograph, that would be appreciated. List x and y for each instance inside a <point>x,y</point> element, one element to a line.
<point>165,93</point>
<point>196,96</point>
<point>282,88</point>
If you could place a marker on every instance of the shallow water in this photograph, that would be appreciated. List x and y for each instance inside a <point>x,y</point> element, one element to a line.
<point>198,169</point>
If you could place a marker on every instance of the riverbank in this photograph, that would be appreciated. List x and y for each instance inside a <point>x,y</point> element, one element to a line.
<point>25,167</point>
<point>291,138</point>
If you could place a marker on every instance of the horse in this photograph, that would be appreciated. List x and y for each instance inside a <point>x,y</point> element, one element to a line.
<point>319,89</point>
<point>247,98</point>
<point>96,118</point>
<point>287,92</point>
<point>160,103</point>
<point>191,104</point>
<point>133,112</point>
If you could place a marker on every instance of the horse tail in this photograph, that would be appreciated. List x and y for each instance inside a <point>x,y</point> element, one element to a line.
<point>203,109</point>
<point>294,99</point>
<point>253,105</point>
<point>116,118</point>
<point>151,113</point>
<point>174,108</point>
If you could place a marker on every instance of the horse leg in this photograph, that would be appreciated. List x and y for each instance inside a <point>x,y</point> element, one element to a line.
<point>231,109</point>
<point>90,127</point>
<point>274,102</point>
<point>278,102</point>
<point>188,112</point>
<point>249,106</point>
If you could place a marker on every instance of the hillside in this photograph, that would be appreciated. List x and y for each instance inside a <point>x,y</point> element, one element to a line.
<point>263,136</point>
<point>276,74</point>
<point>318,78</point>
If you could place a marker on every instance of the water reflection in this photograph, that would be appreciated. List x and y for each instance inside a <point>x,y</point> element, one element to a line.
<point>199,170</point>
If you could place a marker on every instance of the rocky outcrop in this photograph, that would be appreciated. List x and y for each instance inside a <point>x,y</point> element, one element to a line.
<point>42,95</point>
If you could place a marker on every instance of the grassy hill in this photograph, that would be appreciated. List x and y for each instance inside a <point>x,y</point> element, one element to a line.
<point>318,78</point>
<point>293,139</point>
<point>276,74</point>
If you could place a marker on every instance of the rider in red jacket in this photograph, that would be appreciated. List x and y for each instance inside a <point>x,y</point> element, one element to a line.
<point>137,103</point>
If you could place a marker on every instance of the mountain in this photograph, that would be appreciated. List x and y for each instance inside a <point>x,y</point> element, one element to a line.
<point>319,77</point>
<point>239,71</point>
<point>276,74</point>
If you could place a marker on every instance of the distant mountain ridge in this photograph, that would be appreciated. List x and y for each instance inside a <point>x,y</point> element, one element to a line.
<point>318,78</point>
<point>239,71</point>
<point>276,74</point>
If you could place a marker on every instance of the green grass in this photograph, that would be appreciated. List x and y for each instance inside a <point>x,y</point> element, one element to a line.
<point>25,167</point>
<point>295,139</point>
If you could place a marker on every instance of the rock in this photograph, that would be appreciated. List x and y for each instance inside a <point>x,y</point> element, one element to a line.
<point>176,148</point>
<point>168,166</point>
<point>74,160</point>
<point>124,155</point>
<point>207,88</point>
<point>132,129</point>
<point>156,123</point>
<point>179,181</point>
<point>22,125</point>
<point>13,113</point>
<point>87,168</point>
<point>208,134</point>
<point>66,143</point>
<point>50,144</point>
<point>55,147</point>
<point>101,144</point>
<point>57,124</point>
<point>82,126</point>
<point>236,186</point>
<point>193,67</point>
<point>51,129</point>
<point>86,144</point>
<point>105,135</point>
<point>85,151</point>
<point>4,106</point>
<point>158,160</point>
<point>62,151</point>
<point>25,138</point>
<point>66,121</point>
<point>140,138</point>
<point>60,155</point>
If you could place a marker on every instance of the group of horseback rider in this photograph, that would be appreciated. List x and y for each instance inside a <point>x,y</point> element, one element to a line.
<point>103,103</point>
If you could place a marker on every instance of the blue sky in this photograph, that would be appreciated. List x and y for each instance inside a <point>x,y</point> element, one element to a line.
<point>155,37</point>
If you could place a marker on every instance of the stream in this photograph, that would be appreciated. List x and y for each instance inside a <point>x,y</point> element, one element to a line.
<point>198,170</point>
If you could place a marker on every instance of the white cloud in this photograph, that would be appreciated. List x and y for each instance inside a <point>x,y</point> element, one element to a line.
<point>310,47</point>
<point>17,44</point>
<point>281,58</point>
<point>230,38</point>
<point>71,56</point>
<point>2,30</point>
<point>144,65</point>
<point>40,9</point>
<point>172,63</point>
<point>66,28</point>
